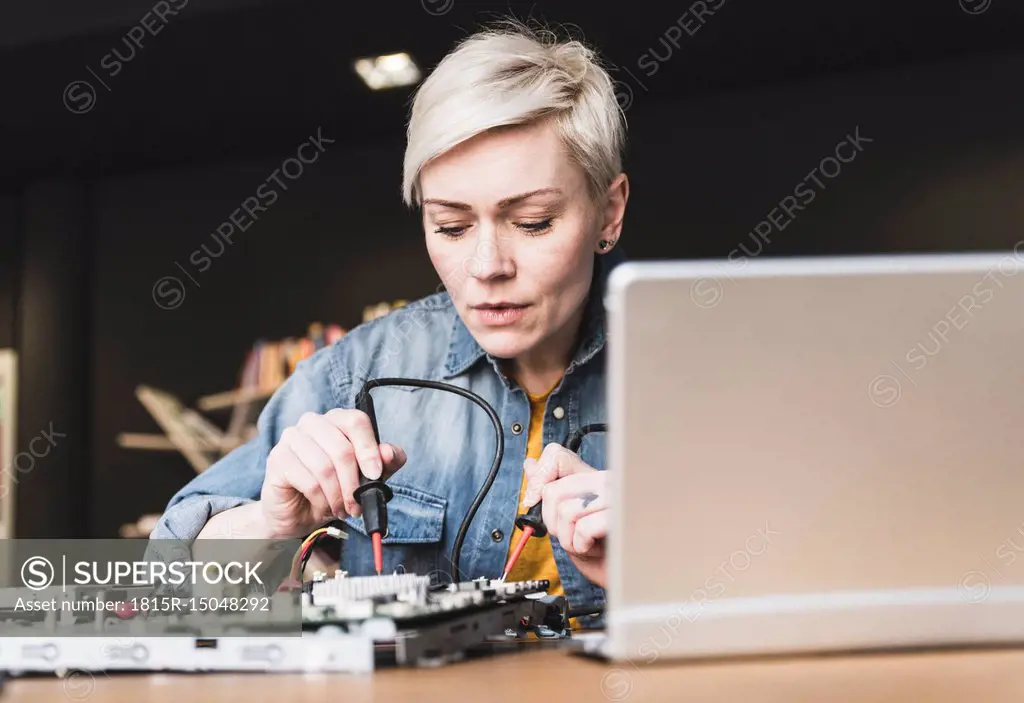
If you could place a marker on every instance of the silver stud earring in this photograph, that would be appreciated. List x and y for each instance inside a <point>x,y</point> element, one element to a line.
<point>605,245</point>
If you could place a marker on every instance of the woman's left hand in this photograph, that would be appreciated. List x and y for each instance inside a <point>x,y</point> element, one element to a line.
<point>575,508</point>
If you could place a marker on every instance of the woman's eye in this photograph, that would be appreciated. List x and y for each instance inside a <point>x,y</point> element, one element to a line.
<point>535,227</point>
<point>450,230</point>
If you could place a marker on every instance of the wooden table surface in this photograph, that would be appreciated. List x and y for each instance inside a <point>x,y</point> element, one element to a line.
<point>991,676</point>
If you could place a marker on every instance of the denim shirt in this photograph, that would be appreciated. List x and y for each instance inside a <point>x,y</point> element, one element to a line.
<point>449,441</point>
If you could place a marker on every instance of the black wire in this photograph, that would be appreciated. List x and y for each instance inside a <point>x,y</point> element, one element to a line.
<point>584,611</point>
<point>499,452</point>
<point>573,442</point>
<point>305,559</point>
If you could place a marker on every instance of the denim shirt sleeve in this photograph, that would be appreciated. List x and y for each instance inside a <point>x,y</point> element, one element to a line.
<point>237,478</point>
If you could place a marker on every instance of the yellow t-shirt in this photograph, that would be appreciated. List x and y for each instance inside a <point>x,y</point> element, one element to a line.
<point>537,562</point>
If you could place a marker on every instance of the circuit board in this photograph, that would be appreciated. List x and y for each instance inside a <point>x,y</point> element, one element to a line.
<point>434,625</point>
<point>348,624</point>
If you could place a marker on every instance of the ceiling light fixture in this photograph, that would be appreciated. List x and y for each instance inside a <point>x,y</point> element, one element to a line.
<point>388,71</point>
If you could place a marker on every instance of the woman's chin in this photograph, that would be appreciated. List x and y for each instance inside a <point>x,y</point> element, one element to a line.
<point>502,344</point>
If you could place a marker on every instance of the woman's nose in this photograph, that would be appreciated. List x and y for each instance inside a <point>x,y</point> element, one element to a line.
<point>492,258</point>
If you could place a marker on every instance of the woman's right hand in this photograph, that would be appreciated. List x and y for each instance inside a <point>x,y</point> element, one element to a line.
<point>314,470</point>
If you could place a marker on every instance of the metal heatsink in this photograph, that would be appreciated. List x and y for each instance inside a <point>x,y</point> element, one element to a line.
<point>344,589</point>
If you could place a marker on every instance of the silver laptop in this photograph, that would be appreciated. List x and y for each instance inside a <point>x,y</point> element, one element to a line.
<point>816,454</point>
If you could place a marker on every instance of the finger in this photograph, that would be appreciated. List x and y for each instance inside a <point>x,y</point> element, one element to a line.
<point>296,475</point>
<point>568,488</point>
<point>321,467</point>
<point>335,445</point>
<point>567,512</point>
<point>356,426</point>
<point>533,486</point>
<point>589,531</point>
<point>530,467</point>
<point>555,462</point>
<point>394,458</point>
<point>570,509</point>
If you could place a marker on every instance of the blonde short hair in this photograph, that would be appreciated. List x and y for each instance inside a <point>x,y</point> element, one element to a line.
<point>511,74</point>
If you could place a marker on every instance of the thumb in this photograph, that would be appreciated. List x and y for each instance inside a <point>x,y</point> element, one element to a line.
<point>530,468</point>
<point>555,462</point>
<point>394,458</point>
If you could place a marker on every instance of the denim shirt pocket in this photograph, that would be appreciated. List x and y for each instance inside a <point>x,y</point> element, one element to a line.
<point>414,538</point>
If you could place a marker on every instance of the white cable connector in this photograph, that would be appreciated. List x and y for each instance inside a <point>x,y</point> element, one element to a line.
<point>337,533</point>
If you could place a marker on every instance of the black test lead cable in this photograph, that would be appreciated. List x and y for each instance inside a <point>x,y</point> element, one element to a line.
<point>575,440</point>
<point>374,494</point>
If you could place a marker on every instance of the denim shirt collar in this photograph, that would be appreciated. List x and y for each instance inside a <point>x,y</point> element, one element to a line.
<point>464,350</point>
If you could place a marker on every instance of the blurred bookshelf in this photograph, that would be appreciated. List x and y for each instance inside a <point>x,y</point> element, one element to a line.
<point>200,440</point>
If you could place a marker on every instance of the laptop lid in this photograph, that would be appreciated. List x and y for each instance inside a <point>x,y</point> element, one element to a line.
<point>815,454</point>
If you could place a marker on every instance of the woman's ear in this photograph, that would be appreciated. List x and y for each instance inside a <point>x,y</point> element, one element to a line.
<point>614,211</point>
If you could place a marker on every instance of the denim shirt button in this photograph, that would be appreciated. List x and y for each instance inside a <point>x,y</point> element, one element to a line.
<point>558,412</point>
<point>517,428</point>
<point>497,535</point>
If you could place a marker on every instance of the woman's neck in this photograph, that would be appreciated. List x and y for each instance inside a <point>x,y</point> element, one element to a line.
<point>539,369</point>
<point>537,380</point>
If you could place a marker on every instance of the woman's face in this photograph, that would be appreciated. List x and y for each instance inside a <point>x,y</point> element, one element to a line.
<point>512,233</point>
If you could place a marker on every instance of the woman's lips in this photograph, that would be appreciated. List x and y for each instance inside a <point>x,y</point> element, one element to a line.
<point>499,316</point>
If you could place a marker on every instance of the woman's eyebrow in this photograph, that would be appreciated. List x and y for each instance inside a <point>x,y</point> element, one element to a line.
<point>516,199</point>
<point>447,203</point>
<point>502,204</point>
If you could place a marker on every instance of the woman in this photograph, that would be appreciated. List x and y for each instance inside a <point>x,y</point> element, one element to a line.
<point>514,157</point>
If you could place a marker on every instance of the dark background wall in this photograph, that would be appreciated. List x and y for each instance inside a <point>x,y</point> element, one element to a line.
<point>9,266</point>
<point>717,141</point>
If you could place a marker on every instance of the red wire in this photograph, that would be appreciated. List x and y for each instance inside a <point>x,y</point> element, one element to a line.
<point>302,555</point>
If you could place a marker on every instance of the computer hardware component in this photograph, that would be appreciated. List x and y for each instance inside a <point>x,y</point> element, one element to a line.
<point>437,624</point>
<point>348,624</point>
